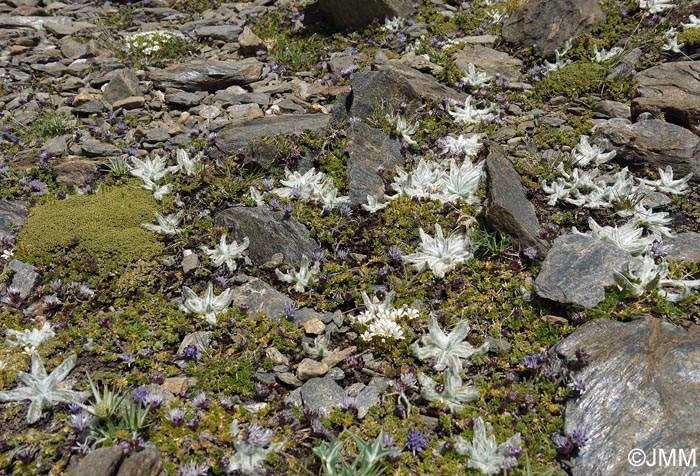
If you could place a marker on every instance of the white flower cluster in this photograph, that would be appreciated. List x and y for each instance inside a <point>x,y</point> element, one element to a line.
<point>442,181</point>
<point>29,339</point>
<point>655,6</point>
<point>601,56</point>
<point>311,185</point>
<point>475,78</point>
<point>149,42</point>
<point>671,43</point>
<point>381,319</point>
<point>470,114</point>
<point>646,275</point>
<point>559,61</point>
<point>440,254</point>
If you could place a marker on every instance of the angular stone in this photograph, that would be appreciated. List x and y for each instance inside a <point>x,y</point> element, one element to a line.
<point>144,463</point>
<point>101,462</point>
<point>13,215</point>
<point>60,29</point>
<point>289,379</point>
<point>190,261</point>
<point>269,233</point>
<point>35,22</point>
<point>626,67</point>
<point>173,385</point>
<point>611,109</point>
<point>546,25</point>
<point>671,88</point>
<point>654,144</point>
<point>95,148</point>
<point>367,398</point>
<point>684,247</point>
<point>368,149</point>
<point>74,173</point>
<point>201,340</point>
<point>577,270</point>
<point>309,368</point>
<point>227,33</point>
<point>235,136</point>
<point>123,85</point>
<point>337,357</point>
<point>207,75</point>
<point>261,298</point>
<point>250,42</point>
<point>56,146</point>
<point>132,102</point>
<point>322,393</point>
<point>507,208</point>
<point>490,61</point>
<point>641,392</point>
<point>25,278</point>
<point>347,14</point>
<point>183,99</point>
<point>314,326</point>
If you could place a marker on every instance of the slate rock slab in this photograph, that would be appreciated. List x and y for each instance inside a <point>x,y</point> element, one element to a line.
<point>489,60</point>
<point>144,463</point>
<point>369,149</point>
<point>101,462</point>
<point>347,14</point>
<point>507,208</point>
<point>547,24</point>
<point>577,270</point>
<point>322,393</point>
<point>260,297</point>
<point>672,88</point>
<point>122,86</point>
<point>201,75</point>
<point>13,214</point>
<point>655,144</point>
<point>642,384</point>
<point>269,232</point>
<point>25,277</point>
<point>683,247</point>
<point>236,136</point>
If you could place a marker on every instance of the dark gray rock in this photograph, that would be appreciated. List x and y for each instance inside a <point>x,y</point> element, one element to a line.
<point>654,144</point>
<point>183,99</point>
<point>261,298</point>
<point>546,25</point>
<point>250,43</point>
<point>489,60</point>
<point>101,462</point>
<point>234,136</point>
<point>611,109</point>
<point>157,134</point>
<point>206,75</point>
<point>35,22</point>
<point>347,14</point>
<point>322,393</point>
<point>13,215</point>
<point>144,463</point>
<point>368,149</point>
<point>123,85</point>
<point>379,92</point>
<point>641,392</point>
<point>671,88</point>
<point>24,278</point>
<point>56,146</point>
<point>577,270</point>
<point>683,247</point>
<point>367,398</point>
<point>626,67</point>
<point>227,33</point>
<point>507,208</point>
<point>227,98</point>
<point>269,232</point>
<point>95,148</point>
<point>260,155</point>
<point>74,173</point>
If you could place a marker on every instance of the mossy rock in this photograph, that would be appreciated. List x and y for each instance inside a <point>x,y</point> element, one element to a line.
<point>106,225</point>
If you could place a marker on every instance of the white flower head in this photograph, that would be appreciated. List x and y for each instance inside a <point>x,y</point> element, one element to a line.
<point>153,170</point>
<point>468,145</point>
<point>470,114</point>
<point>405,129</point>
<point>303,278</point>
<point>208,305</point>
<point>454,395</point>
<point>440,254</point>
<point>190,166</point>
<point>628,236</point>
<point>373,205</point>
<point>671,43</point>
<point>559,61</point>
<point>159,191</point>
<point>601,56</point>
<point>392,25</point>
<point>475,78</point>
<point>655,6</point>
<point>167,225</point>
<point>484,453</point>
<point>29,339</point>
<point>585,153</point>
<point>666,184</point>
<point>226,253</point>
<point>693,22</point>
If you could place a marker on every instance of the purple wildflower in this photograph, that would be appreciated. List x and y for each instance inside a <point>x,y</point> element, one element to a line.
<point>416,442</point>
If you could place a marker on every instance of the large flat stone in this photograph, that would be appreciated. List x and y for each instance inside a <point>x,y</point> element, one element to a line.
<point>201,75</point>
<point>237,136</point>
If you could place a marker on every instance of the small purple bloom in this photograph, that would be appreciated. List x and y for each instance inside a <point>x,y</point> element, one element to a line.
<point>416,442</point>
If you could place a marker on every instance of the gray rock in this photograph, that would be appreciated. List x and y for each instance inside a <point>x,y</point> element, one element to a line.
<point>25,278</point>
<point>379,92</point>
<point>132,102</point>
<point>507,208</point>
<point>35,22</point>
<point>227,33</point>
<point>489,60</point>
<point>577,270</point>
<point>322,393</point>
<point>13,215</point>
<point>611,109</point>
<point>206,75</point>
<point>641,392</point>
<point>310,368</point>
<point>260,155</point>
<point>655,144</point>
<point>626,67</point>
<point>183,99</point>
<point>234,136</point>
<point>101,462</point>
<point>95,148</point>
<point>269,233</point>
<point>261,298</point>
<point>190,261</point>
<point>368,149</point>
<point>56,146</point>
<point>366,399</point>
<point>671,88</point>
<point>157,134</point>
<point>60,29</point>
<point>201,340</point>
<point>546,25</point>
<point>123,85</point>
<point>683,247</point>
<point>226,98</point>
<point>250,42</point>
<point>74,173</point>
<point>347,14</point>
<point>144,463</point>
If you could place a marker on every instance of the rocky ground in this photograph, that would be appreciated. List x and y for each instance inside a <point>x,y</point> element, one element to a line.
<point>434,238</point>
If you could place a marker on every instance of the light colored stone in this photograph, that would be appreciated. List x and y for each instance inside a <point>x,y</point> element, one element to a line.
<point>309,368</point>
<point>314,326</point>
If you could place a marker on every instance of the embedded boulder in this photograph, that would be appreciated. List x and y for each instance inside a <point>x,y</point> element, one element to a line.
<point>546,25</point>
<point>577,270</point>
<point>200,75</point>
<point>236,136</point>
<point>349,14</point>
<point>641,393</point>
<point>671,88</point>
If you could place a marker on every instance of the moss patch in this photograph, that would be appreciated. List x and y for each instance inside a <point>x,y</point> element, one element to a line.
<point>107,225</point>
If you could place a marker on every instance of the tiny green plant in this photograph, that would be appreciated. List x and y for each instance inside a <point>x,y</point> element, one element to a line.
<point>489,244</point>
<point>365,463</point>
